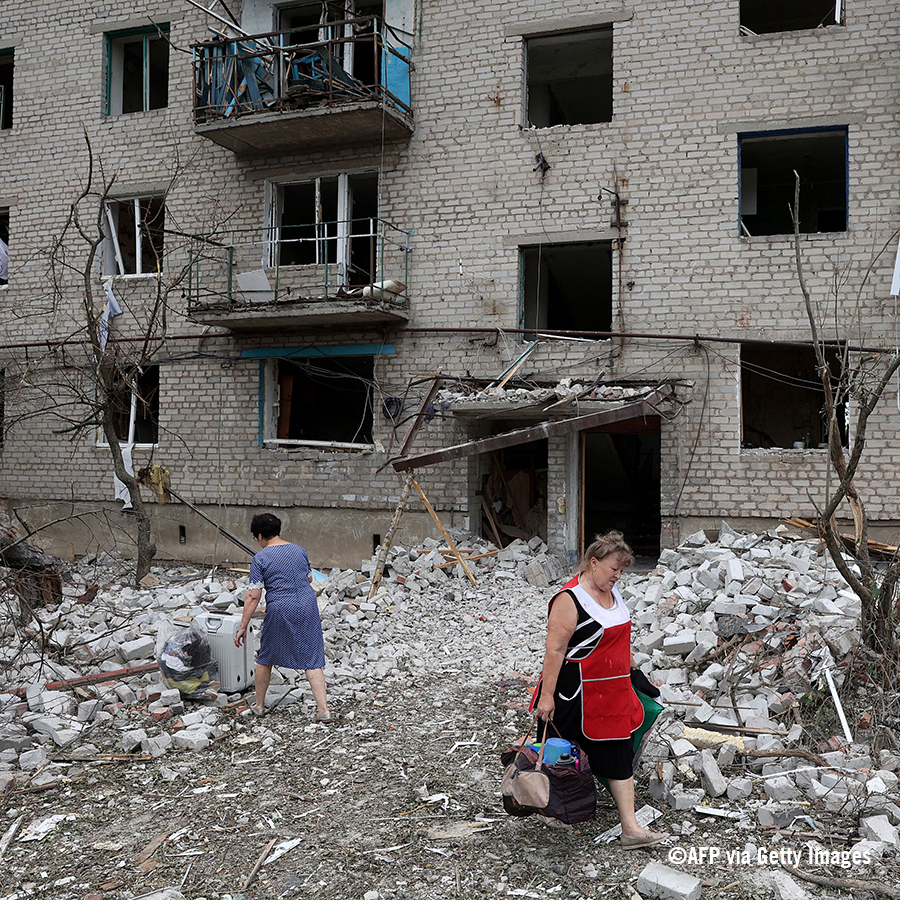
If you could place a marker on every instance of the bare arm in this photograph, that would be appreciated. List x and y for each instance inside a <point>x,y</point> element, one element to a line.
<point>251,601</point>
<point>560,628</point>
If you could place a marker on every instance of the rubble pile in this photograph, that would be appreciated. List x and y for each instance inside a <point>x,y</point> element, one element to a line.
<point>566,389</point>
<point>735,631</point>
<point>111,630</point>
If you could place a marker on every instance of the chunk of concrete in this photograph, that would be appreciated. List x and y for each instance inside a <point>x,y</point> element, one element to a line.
<point>33,759</point>
<point>190,739</point>
<point>714,783</point>
<point>140,648</point>
<point>739,788</point>
<point>781,788</point>
<point>88,709</point>
<point>133,739</point>
<point>663,883</point>
<point>879,828</point>
<point>14,737</point>
<point>786,888</point>
<point>680,798</point>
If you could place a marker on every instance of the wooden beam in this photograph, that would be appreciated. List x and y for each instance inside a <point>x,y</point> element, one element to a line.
<point>443,531</point>
<point>630,410</point>
<point>420,415</point>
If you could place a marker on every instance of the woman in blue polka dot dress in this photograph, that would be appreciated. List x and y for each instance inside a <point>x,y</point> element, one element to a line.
<point>292,629</point>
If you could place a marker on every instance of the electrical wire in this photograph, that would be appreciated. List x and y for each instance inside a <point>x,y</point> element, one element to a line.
<point>690,464</point>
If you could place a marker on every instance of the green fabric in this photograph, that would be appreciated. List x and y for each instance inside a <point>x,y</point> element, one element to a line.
<point>652,709</point>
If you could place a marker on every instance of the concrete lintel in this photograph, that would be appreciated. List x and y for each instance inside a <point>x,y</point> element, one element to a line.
<point>10,41</point>
<point>558,25</point>
<point>527,239</point>
<point>790,124</point>
<point>159,16</point>
<point>141,189</point>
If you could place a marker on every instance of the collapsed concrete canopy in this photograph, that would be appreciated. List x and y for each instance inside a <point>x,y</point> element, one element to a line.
<point>637,408</point>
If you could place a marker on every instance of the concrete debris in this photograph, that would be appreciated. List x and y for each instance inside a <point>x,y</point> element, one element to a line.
<point>734,631</point>
<point>665,883</point>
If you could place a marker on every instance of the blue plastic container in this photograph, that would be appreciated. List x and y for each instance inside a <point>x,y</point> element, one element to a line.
<point>554,748</point>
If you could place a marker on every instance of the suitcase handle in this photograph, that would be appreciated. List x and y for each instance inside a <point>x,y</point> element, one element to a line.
<point>214,623</point>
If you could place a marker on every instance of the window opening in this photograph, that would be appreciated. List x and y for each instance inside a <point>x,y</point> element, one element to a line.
<point>4,246</point>
<point>311,23</point>
<point>782,399</point>
<point>135,236</point>
<point>325,401</point>
<point>331,221</point>
<point>7,64</point>
<point>569,79</point>
<point>769,16</point>
<point>137,70</point>
<point>567,286</point>
<point>136,410</point>
<point>768,163</point>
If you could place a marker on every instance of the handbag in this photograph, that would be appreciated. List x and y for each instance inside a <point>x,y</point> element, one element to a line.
<point>529,785</point>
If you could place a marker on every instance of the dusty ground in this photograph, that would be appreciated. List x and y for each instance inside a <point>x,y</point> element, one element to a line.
<point>356,794</point>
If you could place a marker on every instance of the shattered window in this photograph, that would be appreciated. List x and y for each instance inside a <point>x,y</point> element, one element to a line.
<point>567,287</point>
<point>768,16</point>
<point>331,221</point>
<point>325,401</point>
<point>137,407</point>
<point>570,78</point>
<point>767,166</point>
<point>7,63</point>
<point>782,400</point>
<point>134,236</point>
<point>137,70</point>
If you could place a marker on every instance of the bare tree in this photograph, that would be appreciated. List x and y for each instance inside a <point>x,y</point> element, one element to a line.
<point>863,379</point>
<point>95,376</point>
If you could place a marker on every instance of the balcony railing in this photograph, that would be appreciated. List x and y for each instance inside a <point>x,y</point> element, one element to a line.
<point>359,63</point>
<point>327,274</point>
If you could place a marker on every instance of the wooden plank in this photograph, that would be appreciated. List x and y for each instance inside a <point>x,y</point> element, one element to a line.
<point>490,517</point>
<point>443,531</point>
<point>629,410</point>
<point>389,537</point>
<point>420,415</point>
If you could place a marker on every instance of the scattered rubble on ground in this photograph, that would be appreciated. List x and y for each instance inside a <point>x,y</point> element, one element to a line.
<point>431,677</point>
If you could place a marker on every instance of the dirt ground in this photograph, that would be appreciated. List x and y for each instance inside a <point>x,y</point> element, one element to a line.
<point>399,799</point>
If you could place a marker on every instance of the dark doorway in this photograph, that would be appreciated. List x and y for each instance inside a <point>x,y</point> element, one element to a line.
<point>621,484</point>
<point>514,492</point>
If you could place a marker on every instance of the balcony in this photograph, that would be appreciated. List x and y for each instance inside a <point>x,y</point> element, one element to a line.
<point>336,275</point>
<point>265,94</point>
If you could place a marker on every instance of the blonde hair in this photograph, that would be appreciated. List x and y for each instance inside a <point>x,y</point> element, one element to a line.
<point>610,544</point>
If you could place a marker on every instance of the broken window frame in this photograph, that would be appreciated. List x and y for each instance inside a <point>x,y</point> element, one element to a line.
<point>531,40</point>
<point>7,57</point>
<point>838,10</point>
<point>808,382</point>
<point>271,409</point>
<point>150,403</point>
<point>344,231</point>
<point>144,230</point>
<point>779,134</point>
<point>114,74</point>
<point>524,284</point>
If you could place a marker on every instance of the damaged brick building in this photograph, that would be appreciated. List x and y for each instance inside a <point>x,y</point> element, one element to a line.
<point>576,214</point>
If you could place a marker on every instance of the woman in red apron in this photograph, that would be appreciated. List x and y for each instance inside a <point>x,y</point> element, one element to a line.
<point>585,686</point>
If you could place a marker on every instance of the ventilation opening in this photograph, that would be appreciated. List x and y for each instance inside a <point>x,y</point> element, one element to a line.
<point>767,181</point>
<point>568,286</point>
<point>782,400</point>
<point>768,16</point>
<point>570,78</point>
